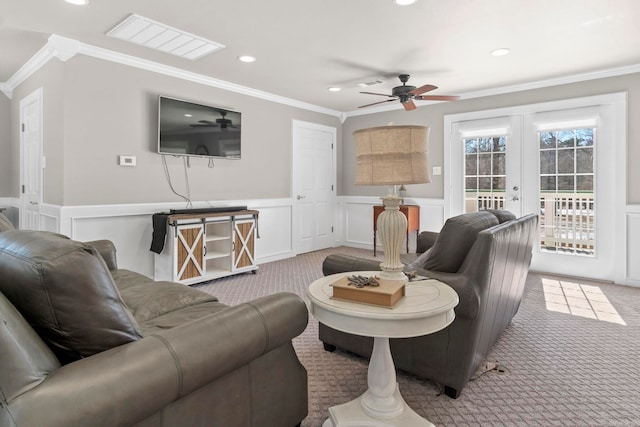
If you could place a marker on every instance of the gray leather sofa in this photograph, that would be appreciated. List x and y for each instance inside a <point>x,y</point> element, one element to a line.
<point>83,343</point>
<point>484,256</point>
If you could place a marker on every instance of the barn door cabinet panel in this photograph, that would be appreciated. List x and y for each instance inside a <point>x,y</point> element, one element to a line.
<point>206,246</point>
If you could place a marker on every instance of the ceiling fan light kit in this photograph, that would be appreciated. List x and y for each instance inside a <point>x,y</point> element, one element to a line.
<point>406,94</point>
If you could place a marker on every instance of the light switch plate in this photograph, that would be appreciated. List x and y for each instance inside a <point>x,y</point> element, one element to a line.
<point>437,170</point>
<point>127,160</point>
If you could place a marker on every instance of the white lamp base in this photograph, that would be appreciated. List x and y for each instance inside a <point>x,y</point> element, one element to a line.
<point>392,229</point>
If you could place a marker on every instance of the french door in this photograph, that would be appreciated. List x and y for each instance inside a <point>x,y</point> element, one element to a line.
<point>556,160</point>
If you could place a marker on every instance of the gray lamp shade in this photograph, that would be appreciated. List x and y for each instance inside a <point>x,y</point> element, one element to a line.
<point>392,155</point>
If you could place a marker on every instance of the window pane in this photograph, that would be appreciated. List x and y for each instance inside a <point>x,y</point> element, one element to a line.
<point>548,162</point>
<point>471,183</point>
<point>499,184</point>
<point>484,164</point>
<point>547,140</point>
<point>484,183</point>
<point>471,164</point>
<point>485,145</point>
<point>565,183</point>
<point>584,137</point>
<point>498,164</point>
<point>584,183</point>
<point>498,144</point>
<point>584,160</point>
<point>548,183</point>
<point>471,146</point>
<point>566,138</point>
<point>565,161</point>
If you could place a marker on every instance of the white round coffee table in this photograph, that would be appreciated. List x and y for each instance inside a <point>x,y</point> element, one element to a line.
<point>426,308</point>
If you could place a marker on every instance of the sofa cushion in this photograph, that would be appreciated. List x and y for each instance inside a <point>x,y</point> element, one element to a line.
<point>149,299</point>
<point>455,239</point>
<point>63,288</point>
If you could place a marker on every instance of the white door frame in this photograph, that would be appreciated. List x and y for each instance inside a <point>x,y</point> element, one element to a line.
<point>618,104</point>
<point>31,174</point>
<point>298,125</point>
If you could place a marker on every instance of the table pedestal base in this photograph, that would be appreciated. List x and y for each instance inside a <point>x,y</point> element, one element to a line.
<point>351,414</point>
<point>381,405</point>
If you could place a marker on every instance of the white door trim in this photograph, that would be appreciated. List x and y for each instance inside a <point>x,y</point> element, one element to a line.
<point>618,102</point>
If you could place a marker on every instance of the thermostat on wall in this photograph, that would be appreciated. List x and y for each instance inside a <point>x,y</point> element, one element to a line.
<point>127,160</point>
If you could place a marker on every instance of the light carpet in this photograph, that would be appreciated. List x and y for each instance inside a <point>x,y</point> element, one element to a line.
<point>570,357</point>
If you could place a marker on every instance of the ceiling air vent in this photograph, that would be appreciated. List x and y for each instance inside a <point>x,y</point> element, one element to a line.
<point>370,83</point>
<point>145,32</point>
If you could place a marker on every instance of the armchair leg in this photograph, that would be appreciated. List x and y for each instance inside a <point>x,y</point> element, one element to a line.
<point>329,347</point>
<point>451,392</point>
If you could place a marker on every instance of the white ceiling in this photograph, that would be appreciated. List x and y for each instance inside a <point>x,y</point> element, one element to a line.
<point>305,46</point>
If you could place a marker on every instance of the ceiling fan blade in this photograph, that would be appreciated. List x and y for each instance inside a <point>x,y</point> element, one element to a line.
<point>409,105</point>
<point>423,89</point>
<point>437,98</point>
<point>376,103</point>
<point>381,94</point>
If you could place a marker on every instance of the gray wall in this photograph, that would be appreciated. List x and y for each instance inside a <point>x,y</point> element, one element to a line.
<point>97,110</point>
<point>5,145</point>
<point>433,116</point>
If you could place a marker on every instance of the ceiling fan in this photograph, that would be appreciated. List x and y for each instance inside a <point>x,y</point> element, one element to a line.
<point>223,122</point>
<point>407,94</point>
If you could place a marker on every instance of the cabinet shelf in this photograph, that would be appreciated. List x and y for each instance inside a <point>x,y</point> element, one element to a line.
<point>217,238</point>
<point>215,254</point>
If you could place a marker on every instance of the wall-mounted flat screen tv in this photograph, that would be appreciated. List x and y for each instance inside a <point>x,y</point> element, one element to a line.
<point>191,129</point>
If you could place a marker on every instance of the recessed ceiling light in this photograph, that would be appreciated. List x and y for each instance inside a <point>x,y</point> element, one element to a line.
<point>405,2</point>
<point>78,2</point>
<point>247,58</point>
<point>335,89</point>
<point>500,52</point>
<point>188,115</point>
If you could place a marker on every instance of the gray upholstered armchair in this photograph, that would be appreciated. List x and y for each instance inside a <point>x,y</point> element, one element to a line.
<point>484,256</point>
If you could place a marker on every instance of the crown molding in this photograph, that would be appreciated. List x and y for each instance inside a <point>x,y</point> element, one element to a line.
<point>65,48</point>
<point>56,47</point>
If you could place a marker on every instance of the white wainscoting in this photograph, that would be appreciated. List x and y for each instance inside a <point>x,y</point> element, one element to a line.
<point>356,214</point>
<point>633,245</point>
<point>130,228</point>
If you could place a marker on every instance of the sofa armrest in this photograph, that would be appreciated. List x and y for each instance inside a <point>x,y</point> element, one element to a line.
<point>426,239</point>
<point>107,250</point>
<point>465,287</point>
<point>129,383</point>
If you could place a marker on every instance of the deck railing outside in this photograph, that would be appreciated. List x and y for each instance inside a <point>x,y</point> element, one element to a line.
<point>567,220</point>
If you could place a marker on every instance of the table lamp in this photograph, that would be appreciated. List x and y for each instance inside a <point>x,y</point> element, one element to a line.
<point>392,155</point>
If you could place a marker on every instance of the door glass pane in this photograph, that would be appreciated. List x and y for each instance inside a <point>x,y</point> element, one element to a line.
<point>485,173</point>
<point>567,199</point>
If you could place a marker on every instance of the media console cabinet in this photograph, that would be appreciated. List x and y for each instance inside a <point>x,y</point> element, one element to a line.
<point>206,246</point>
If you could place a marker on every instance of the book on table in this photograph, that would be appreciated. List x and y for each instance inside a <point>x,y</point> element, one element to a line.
<point>387,294</point>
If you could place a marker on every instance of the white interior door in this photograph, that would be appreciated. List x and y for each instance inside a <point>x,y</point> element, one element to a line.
<point>31,160</point>
<point>313,186</point>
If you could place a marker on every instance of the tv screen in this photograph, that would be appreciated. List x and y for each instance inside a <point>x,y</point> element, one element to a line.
<point>190,129</point>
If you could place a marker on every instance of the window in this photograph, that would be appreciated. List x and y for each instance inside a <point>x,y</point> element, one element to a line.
<point>485,173</point>
<point>567,202</point>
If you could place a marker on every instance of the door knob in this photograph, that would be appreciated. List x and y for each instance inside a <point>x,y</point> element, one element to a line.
<point>300,197</point>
